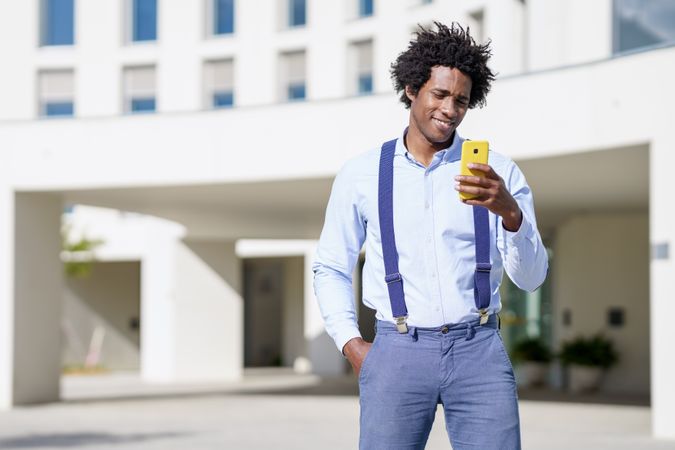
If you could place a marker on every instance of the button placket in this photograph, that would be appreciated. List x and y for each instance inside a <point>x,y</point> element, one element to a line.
<point>429,248</point>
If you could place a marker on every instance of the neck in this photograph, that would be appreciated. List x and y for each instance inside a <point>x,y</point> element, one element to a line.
<point>421,148</point>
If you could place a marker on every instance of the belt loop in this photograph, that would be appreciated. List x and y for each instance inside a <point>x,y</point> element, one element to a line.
<point>470,331</point>
<point>413,334</point>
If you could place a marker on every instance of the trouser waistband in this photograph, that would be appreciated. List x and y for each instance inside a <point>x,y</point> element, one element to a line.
<point>450,329</point>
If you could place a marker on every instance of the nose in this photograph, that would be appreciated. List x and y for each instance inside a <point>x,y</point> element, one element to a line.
<point>449,108</point>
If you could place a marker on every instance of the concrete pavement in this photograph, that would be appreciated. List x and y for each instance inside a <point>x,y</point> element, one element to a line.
<point>296,418</point>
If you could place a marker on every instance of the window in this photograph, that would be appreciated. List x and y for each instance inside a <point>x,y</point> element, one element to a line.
<point>223,16</point>
<point>293,76</point>
<point>297,13</point>
<point>362,62</point>
<point>139,90</point>
<point>365,8</point>
<point>144,20</point>
<point>643,23</point>
<point>219,84</point>
<point>56,92</point>
<point>57,19</point>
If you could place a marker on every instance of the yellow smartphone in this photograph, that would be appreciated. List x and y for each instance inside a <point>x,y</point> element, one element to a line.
<point>473,152</point>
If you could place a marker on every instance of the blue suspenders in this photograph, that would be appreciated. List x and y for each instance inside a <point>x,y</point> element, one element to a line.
<point>482,291</point>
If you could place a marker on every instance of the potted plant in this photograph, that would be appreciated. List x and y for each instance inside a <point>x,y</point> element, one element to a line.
<point>532,358</point>
<point>587,359</point>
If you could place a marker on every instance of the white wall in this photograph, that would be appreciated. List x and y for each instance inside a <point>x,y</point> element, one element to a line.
<point>565,32</point>
<point>602,261</point>
<point>101,51</point>
<point>662,271</point>
<point>191,311</point>
<point>109,298</point>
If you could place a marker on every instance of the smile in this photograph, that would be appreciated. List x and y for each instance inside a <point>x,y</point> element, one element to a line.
<point>443,123</point>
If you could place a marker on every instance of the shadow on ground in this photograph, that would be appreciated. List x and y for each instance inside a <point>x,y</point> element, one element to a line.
<point>285,383</point>
<point>66,440</point>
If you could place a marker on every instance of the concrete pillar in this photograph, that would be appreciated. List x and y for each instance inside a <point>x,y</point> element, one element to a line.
<point>662,237</point>
<point>191,310</point>
<point>31,283</point>
<point>6,294</point>
<point>293,342</point>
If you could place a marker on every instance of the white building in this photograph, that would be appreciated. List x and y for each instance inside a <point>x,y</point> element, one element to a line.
<point>250,108</point>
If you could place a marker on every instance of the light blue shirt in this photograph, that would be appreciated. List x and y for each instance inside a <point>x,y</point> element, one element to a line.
<point>434,238</point>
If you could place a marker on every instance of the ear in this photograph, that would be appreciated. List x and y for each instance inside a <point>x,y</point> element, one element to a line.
<point>410,94</point>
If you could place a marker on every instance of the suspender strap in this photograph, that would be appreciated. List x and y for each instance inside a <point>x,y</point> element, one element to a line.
<point>482,291</point>
<point>390,255</point>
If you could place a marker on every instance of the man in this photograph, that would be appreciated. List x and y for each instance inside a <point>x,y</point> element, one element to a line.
<point>441,272</point>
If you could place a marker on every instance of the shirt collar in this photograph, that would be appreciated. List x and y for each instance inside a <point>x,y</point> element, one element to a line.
<point>449,154</point>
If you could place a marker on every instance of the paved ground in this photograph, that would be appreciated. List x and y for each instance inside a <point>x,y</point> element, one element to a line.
<point>304,414</point>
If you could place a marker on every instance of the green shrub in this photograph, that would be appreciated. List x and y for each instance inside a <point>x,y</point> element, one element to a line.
<point>531,349</point>
<point>595,351</point>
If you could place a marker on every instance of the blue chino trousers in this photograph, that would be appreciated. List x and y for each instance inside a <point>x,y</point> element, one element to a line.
<point>463,367</point>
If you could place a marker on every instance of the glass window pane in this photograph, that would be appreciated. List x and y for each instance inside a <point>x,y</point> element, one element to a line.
<point>139,89</point>
<point>292,75</point>
<point>142,105</point>
<point>63,109</point>
<point>362,63</point>
<point>144,20</point>
<point>223,13</point>
<point>296,91</point>
<point>56,93</point>
<point>365,8</point>
<point>219,83</point>
<point>297,12</point>
<point>365,84</point>
<point>58,17</point>
<point>223,99</point>
<point>643,23</point>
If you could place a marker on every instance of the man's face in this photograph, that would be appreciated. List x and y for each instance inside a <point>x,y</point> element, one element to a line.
<point>440,105</point>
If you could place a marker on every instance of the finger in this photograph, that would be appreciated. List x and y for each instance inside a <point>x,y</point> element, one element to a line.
<point>485,168</point>
<point>479,181</point>
<point>474,202</point>
<point>474,190</point>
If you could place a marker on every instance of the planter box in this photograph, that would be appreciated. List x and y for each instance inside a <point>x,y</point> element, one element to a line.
<point>531,374</point>
<point>583,378</point>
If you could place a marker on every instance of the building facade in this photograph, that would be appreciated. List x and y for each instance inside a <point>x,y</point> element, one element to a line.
<point>225,122</point>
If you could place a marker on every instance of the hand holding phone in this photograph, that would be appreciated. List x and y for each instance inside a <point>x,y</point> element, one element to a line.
<point>473,152</point>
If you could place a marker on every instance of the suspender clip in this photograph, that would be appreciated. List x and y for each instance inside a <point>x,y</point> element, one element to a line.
<point>393,278</point>
<point>483,267</point>
<point>401,325</point>
<point>484,315</point>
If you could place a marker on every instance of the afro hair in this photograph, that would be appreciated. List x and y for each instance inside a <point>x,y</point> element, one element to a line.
<point>451,47</point>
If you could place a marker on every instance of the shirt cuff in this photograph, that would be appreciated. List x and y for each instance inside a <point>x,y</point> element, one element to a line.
<point>345,335</point>
<point>514,237</point>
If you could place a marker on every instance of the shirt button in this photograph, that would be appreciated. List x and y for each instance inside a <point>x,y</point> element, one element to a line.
<point>433,275</point>
<point>426,205</point>
<point>445,330</point>
<point>428,240</point>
